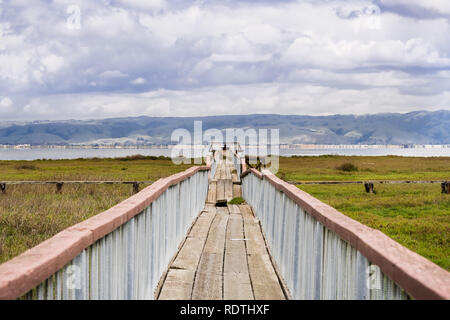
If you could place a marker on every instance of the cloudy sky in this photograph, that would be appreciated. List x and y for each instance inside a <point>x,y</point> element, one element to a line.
<point>80,59</point>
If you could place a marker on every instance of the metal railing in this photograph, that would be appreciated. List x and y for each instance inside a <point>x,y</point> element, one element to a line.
<point>318,263</point>
<point>127,262</point>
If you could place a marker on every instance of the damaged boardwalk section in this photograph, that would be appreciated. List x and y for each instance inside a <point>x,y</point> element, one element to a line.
<point>224,255</point>
<point>180,238</point>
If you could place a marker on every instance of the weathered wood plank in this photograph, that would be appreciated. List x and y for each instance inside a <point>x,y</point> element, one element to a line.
<point>246,211</point>
<point>235,259</point>
<point>212,192</point>
<point>221,190</point>
<point>237,191</point>
<point>201,227</point>
<point>264,279</point>
<point>178,285</point>
<point>215,242</point>
<point>189,255</point>
<point>228,189</point>
<point>237,286</point>
<point>208,280</point>
<point>236,278</point>
<point>234,209</point>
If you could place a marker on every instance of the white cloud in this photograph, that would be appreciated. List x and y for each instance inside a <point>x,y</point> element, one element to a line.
<point>112,74</point>
<point>289,57</point>
<point>139,81</point>
<point>144,4</point>
<point>6,102</point>
<point>282,98</point>
<point>53,63</point>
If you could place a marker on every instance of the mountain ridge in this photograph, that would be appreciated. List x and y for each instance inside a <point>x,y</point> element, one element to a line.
<point>418,127</point>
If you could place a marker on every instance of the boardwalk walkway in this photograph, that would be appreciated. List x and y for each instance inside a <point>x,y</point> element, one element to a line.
<point>224,255</point>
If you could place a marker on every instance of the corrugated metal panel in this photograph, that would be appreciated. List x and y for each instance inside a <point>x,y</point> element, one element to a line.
<point>128,262</point>
<point>314,262</point>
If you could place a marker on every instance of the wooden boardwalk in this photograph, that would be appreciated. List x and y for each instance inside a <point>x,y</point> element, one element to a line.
<point>224,256</point>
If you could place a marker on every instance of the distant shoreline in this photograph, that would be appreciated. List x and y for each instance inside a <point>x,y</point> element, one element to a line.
<point>281,146</point>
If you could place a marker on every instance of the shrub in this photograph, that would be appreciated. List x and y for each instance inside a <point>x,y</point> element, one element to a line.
<point>26,167</point>
<point>347,167</point>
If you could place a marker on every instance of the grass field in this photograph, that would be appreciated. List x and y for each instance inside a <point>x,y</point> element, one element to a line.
<point>31,214</point>
<point>324,168</point>
<point>415,215</point>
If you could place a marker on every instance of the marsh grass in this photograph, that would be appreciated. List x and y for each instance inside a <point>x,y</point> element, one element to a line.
<point>30,214</point>
<point>324,168</point>
<point>415,215</point>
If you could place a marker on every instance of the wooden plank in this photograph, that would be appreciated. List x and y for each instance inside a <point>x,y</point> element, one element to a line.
<point>208,280</point>
<point>180,276</point>
<point>234,209</point>
<point>189,255</point>
<point>178,285</point>
<point>262,273</point>
<point>215,242</point>
<point>212,192</point>
<point>264,279</point>
<point>254,238</point>
<point>246,211</point>
<point>221,190</point>
<point>229,169</point>
<point>236,278</point>
<point>228,189</point>
<point>201,227</point>
<point>237,191</point>
<point>235,228</point>
<point>237,287</point>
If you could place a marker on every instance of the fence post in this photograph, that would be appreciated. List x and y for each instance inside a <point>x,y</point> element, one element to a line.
<point>445,187</point>
<point>59,186</point>
<point>135,187</point>
<point>369,187</point>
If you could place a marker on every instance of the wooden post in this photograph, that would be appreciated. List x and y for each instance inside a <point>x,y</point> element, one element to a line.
<point>445,187</point>
<point>59,186</point>
<point>369,187</point>
<point>3,188</point>
<point>135,187</point>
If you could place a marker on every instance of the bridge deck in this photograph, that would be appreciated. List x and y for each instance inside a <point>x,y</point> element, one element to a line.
<point>224,255</point>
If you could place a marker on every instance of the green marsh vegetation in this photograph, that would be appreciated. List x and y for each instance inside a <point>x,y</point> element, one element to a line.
<point>30,214</point>
<point>415,215</point>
